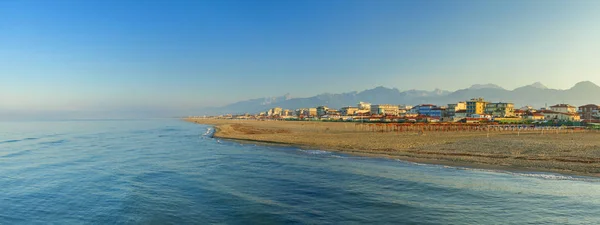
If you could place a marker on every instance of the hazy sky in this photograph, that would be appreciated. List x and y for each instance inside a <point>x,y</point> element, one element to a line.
<point>135,55</point>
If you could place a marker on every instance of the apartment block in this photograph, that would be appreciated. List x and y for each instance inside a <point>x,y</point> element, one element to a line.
<point>476,106</point>
<point>500,109</point>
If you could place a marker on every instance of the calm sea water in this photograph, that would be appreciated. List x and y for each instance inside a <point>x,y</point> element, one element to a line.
<point>167,172</point>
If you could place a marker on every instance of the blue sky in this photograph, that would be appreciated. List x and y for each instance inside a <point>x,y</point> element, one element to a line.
<point>145,55</point>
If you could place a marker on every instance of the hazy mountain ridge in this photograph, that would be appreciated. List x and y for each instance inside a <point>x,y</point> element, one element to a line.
<point>535,94</point>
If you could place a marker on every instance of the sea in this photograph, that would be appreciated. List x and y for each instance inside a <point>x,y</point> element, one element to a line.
<point>167,171</point>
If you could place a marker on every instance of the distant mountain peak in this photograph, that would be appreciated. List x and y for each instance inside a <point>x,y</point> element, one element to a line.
<point>535,94</point>
<point>380,89</point>
<point>273,100</point>
<point>585,84</point>
<point>538,85</point>
<point>485,86</point>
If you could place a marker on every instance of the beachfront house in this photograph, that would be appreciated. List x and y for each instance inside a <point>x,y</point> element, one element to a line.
<point>333,112</point>
<point>520,113</point>
<point>301,112</point>
<point>348,110</point>
<point>589,112</point>
<point>560,116</point>
<point>452,108</point>
<point>312,112</point>
<point>563,108</point>
<point>430,110</point>
<point>364,106</point>
<point>500,109</point>
<point>527,108</point>
<point>384,109</point>
<point>322,110</point>
<point>460,114</point>
<point>275,111</point>
<point>476,106</point>
<point>534,116</point>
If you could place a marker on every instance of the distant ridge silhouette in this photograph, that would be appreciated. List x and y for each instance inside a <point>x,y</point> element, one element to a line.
<point>535,94</point>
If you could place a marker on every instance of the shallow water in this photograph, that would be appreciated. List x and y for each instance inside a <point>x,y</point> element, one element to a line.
<point>172,172</point>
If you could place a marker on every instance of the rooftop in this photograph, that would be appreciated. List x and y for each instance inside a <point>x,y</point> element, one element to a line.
<point>562,106</point>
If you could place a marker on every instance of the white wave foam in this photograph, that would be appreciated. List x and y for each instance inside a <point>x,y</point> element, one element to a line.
<point>209,132</point>
<point>315,152</point>
<point>545,176</point>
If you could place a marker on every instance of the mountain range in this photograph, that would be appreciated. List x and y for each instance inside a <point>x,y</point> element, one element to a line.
<point>536,95</point>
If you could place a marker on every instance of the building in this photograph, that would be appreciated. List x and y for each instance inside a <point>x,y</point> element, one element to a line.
<point>322,110</point>
<point>306,112</point>
<point>364,106</point>
<point>301,112</point>
<point>429,110</point>
<point>287,112</point>
<point>275,111</point>
<point>384,109</point>
<point>589,112</point>
<point>437,112</point>
<point>534,116</point>
<point>460,113</point>
<point>409,114</point>
<point>500,109</point>
<point>333,112</point>
<point>405,107</point>
<point>560,116</point>
<point>563,108</point>
<point>520,113</point>
<point>348,111</point>
<point>476,106</point>
<point>527,109</point>
<point>481,116</point>
<point>452,108</point>
<point>312,112</point>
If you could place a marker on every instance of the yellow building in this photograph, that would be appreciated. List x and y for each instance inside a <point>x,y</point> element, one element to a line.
<point>452,108</point>
<point>476,106</point>
<point>500,109</point>
<point>287,112</point>
<point>312,112</point>
<point>275,111</point>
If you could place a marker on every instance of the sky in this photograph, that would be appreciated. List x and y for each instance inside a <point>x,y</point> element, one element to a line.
<point>132,56</point>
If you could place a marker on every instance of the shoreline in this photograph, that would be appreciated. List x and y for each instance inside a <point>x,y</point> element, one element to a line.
<point>439,162</point>
<point>268,134</point>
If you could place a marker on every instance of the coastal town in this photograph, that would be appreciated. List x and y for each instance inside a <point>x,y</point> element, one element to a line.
<point>476,110</point>
<point>559,138</point>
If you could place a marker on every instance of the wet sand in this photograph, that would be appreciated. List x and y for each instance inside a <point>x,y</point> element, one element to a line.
<point>563,152</point>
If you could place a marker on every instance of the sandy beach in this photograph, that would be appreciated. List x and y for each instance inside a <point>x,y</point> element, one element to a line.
<point>563,152</point>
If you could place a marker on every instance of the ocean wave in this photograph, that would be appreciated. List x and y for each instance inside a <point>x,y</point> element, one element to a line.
<point>413,163</point>
<point>315,152</point>
<point>54,142</point>
<point>168,129</point>
<point>15,154</point>
<point>9,141</point>
<point>18,140</point>
<point>556,177</point>
<point>545,176</point>
<point>210,132</point>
